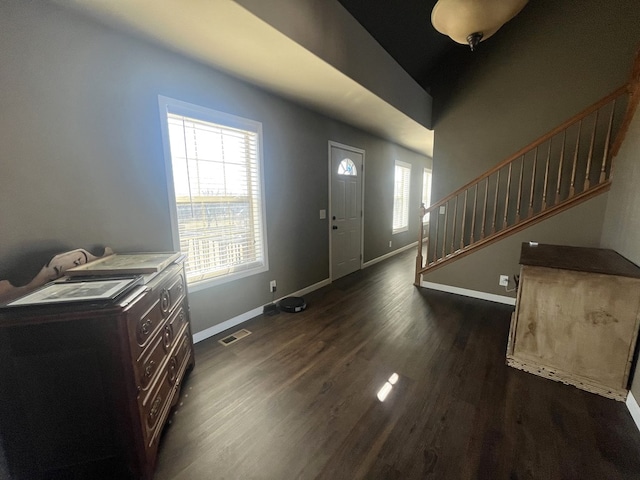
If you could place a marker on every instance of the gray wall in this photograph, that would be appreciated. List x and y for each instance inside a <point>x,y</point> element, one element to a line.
<point>326,28</point>
<point>547,64</point>
<point>82,161</point>
<point>621,230</point>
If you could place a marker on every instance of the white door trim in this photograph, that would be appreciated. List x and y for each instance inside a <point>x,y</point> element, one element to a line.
<point>330,216</point>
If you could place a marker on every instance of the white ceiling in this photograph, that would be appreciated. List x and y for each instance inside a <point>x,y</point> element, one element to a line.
<point>225,35</point>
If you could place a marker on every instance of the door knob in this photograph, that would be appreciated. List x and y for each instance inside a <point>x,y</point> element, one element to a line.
<point>334,217</point>
<point>335,227</point>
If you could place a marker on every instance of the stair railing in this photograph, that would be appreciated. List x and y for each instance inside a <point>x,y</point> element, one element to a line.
<point>568,165</point>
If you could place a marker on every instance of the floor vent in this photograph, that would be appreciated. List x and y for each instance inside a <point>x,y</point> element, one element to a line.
<point>234,337</point>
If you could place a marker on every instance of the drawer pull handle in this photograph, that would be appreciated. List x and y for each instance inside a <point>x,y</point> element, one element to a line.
<point>172,370</point>
<point>165,300</point>
<point>155,408</point>
<point>146,326</point>
<point>167,336</point>
<point>149,369</point>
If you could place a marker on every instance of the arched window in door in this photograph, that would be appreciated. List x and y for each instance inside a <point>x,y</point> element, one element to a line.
<point>347,167</point>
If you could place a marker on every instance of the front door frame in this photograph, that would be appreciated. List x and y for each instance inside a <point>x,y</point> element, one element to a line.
<point>330,213</point>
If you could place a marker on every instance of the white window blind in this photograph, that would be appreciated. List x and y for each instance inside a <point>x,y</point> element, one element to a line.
<point>216,170</point>
<point>426,191</point>
<point>401,197</point>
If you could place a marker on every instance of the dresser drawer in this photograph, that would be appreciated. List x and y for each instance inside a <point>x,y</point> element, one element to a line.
<point>176,291</point>
<point>170,331</point>
<point>155,406</point>
<point>183,352</point>
<point>149,363</point>
<point>146,324</point>
<point>149,313</point>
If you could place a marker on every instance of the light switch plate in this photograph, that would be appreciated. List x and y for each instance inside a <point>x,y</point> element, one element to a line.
<point>323,214</point>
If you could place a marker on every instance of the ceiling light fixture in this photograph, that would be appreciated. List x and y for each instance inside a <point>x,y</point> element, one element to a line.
<point>472,21</point>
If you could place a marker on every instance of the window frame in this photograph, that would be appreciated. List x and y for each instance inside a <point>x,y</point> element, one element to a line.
<point>170,105</point>
<point>405,221</point>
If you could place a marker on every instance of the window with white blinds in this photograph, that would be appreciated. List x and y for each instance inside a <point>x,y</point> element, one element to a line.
<point>401,197</point>
<point>216,172</point>
<point>426,192</point>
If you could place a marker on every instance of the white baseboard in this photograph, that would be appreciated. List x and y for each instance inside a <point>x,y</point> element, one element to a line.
<point>389,255</point>
<point>634,409</point>
<point>310,288</point>
<point>469,293</point>
<point>221,327</point>
<point>243,317</point>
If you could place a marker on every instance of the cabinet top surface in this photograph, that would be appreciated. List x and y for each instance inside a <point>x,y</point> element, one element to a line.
<point>582,259</point>
<point>73,310</point>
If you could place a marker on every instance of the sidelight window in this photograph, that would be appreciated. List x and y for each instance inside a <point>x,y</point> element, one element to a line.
<point>401,197</point>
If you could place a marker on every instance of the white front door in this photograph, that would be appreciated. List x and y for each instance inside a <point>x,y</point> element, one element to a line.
<point>345,216</point>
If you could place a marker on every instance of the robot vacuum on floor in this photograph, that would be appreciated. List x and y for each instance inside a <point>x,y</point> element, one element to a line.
<point>292,304</point>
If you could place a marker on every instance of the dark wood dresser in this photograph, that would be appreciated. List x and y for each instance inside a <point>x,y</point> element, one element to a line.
<point>87,387</point>
<point>576,318</point>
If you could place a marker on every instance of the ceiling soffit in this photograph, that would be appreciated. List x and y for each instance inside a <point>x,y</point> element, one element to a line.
<point>225,35</point>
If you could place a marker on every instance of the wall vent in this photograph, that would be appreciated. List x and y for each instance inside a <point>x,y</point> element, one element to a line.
<point>234,337</point>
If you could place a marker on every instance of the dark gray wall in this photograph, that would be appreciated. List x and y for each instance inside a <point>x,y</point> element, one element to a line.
<point>621,230</point>
<point>547,64</point>
<point>82,160</point>
<point>325,28</point>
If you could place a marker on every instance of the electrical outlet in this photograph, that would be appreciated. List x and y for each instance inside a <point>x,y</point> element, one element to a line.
<point>272,286</point>
<point>504,281</point>
<point>390,243</point>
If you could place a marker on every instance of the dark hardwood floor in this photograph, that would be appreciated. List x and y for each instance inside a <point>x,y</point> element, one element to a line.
<point>298,397</point>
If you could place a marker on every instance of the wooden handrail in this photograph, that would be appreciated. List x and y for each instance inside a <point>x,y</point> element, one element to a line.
<point>536,143</point>
<point>579,198</point>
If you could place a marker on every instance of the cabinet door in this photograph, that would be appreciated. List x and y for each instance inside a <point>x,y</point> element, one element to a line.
<point>578,324</point>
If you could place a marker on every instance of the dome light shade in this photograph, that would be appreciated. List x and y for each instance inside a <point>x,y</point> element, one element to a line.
<point>472,21</point>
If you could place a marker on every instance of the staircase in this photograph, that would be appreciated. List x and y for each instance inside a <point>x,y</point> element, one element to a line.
<point>569,165</point>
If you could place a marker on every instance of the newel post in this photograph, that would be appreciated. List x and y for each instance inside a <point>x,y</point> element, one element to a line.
<point>419,260</point>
